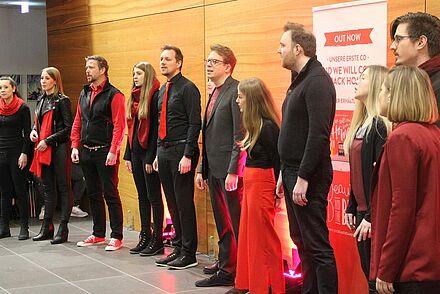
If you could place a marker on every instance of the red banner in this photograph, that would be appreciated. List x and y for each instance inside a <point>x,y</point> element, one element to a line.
<point>348,38</point>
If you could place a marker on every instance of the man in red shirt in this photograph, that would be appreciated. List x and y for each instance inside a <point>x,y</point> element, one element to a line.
<point>96,136</point>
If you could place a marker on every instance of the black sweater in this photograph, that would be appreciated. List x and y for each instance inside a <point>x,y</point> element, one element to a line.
<point>265,152</point>
<point>15,130</point>
<point>308,113</point>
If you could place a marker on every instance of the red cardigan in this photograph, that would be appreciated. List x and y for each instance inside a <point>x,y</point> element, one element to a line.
<point>406,206</point>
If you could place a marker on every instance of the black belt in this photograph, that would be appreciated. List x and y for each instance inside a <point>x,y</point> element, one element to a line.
<point>166,144</point>
<point>94,148</point>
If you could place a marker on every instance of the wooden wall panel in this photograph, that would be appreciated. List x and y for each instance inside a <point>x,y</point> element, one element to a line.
<point>67,50</point>
<point>62,14</point>
<point>433,7</point>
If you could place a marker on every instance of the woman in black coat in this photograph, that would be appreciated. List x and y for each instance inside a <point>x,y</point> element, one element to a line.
<point>51,131</point>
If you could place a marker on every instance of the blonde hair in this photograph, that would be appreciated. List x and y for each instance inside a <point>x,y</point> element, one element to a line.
<point>149,77</point>
<point>411,96</point>
<point>259,104</point>
<point>365,111</point>
<point>55,74</point>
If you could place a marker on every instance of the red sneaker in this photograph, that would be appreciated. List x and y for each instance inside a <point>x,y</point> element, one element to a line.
<point>91,240</point>
<point>113,244</point>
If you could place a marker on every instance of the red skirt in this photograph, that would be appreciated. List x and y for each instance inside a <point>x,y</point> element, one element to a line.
<point>259,257</point>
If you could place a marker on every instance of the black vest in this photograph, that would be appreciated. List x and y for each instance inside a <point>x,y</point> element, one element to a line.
<point>96,119</point>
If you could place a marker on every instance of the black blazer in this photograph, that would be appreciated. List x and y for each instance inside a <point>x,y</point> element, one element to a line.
<point>62,118</point>
<point>220,134</point>
<point>372,145</point>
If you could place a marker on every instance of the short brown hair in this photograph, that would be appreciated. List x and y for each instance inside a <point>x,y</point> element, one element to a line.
<point>177,51</point>
<point>102,62</point>
<point>302,37</point>
<point>226,53</point>
<point>420,23</point>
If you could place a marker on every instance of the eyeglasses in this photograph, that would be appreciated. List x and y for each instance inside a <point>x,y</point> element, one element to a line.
<point>398,38</point>
<point>213,62</point>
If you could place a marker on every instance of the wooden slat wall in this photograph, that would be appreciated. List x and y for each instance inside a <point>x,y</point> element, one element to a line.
<point>126,32</point>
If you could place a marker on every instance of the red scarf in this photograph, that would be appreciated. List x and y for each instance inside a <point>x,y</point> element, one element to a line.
<point>144,124</point>
<point>432,65</point>
<point>43,157</point>
<point>11,108</point>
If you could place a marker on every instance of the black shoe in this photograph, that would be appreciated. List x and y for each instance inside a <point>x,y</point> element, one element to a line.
<point>155,246</point>
<point>62,234</point>
<point>24,233</point>
<point>215,280</point>
<point>211,269</point>
<point>46,232</point>
<point>237,291</point>
<point>144,240</point>
<point>183,262</point>
<point>169,258</point>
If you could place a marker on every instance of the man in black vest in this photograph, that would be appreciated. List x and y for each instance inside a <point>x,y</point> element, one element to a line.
<point>178,154</point>
<point>97,134</point>
<point>222,163</point>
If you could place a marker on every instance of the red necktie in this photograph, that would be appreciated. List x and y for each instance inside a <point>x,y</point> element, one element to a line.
<point>163,114</point>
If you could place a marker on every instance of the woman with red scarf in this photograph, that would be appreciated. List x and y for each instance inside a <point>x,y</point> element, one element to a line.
<point>15,126</point>
<point>53,122</point>
<point>142,122</point>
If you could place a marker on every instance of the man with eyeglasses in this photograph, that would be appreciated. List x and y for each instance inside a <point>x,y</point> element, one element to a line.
<point>222,163</point>
<point>416,41</point>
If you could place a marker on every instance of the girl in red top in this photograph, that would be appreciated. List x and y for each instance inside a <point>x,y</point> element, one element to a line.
<point>142,122</point>
<point>406,188</point>
<point>15,126</point>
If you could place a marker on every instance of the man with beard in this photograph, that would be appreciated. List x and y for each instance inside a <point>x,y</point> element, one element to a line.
<point>304,147</point>
<point>97,133</point>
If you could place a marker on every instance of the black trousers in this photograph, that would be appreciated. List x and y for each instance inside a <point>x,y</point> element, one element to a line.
<point>308,230</point>
<point>432,287</point>
<point>226,206</point>
<point>149,195</point>
<point>55,179</point>
<point>13,182</point>
<point>78,184</point>
<point>179,194</point>
<point>102,179</point>
<point>364,249</point>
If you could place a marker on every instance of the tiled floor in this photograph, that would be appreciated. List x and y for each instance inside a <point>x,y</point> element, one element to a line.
<point>39,267</point>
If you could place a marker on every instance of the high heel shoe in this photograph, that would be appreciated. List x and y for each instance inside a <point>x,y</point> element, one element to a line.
<point>62,234</point>
<point>46,231</point>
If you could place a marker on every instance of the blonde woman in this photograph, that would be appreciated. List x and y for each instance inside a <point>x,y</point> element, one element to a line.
<point>51,164</point>
<point>363,144</point>
<point>406,188</point>
<point>259,265</point>
<point>140,153</point>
